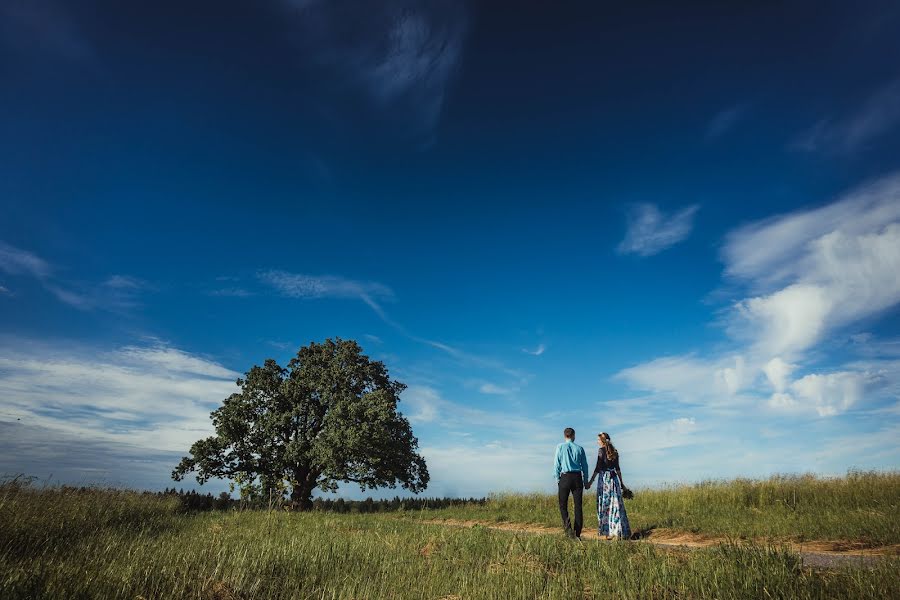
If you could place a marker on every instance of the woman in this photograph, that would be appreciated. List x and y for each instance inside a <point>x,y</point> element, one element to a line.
<point>610,506</point>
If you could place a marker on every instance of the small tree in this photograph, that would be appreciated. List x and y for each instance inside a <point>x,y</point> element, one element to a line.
<point>330,417</point>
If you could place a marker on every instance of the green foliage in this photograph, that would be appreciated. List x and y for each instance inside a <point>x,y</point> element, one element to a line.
<point>861,507</point>
<point>330,417</point>
<point>110,544</point>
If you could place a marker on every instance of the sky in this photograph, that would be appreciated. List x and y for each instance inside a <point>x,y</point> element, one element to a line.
<point>678,223</point>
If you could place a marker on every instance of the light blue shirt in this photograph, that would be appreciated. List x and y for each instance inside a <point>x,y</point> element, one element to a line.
<point>570,457</point>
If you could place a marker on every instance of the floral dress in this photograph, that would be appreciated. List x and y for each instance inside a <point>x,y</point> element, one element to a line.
<point>611,515</point>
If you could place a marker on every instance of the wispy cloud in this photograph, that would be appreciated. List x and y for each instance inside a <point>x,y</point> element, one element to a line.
<point>298,285</point>
<point>401,56</point>
<point>726,120</point>
<point>492,388</point>
<point>650,231</point>
<point>125,282</point>
<point>874,117</point>
<point>281,345</point>
<point>537,351</point>
<point>118,292</point>
<point>231,292</point>
<point>4,291</point>
<point>15,261</point>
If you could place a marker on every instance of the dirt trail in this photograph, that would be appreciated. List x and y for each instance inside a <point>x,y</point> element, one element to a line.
<point>820,554</point>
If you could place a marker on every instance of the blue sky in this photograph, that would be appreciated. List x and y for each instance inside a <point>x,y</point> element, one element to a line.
<point>679,225</point>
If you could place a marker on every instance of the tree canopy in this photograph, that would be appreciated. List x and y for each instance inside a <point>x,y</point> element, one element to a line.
<point>329,417</point>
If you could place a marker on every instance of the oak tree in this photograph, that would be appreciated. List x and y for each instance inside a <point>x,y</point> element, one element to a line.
<point>329,417</point>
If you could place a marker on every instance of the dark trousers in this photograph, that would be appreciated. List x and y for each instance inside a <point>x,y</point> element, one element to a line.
<point>571,483</point>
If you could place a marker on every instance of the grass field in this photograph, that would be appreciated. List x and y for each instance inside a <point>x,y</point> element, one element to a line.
<point>863,508</point>
<point>109,544</point>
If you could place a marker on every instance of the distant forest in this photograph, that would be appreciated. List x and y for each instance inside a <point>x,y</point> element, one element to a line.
<point>193,501</point>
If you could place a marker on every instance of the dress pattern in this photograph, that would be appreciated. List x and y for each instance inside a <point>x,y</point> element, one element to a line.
<point>611,508</point>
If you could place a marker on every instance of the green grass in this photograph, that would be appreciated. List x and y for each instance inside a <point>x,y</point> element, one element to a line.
<point>861,507</point>
<point>107,544</point>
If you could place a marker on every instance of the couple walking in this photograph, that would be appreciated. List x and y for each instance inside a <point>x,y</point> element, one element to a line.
<point>572,472</point>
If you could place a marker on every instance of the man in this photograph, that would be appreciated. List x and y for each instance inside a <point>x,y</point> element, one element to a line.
<point>571,475</point>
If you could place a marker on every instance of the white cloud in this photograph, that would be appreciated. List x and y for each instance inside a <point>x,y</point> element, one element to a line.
<point>5,291</point>
<point>778,372</point>
<point>779,249</point>
<point>424,402</point>
<point>785,322</point>
<point>839,263</point>
<point>153,397</point>
<point>782,401</point>
<point>537,351</point>
<point>689,378</point>
<point>876,116</point>
<point>650,231</point>
<point>811,274</point>
<point>831,393</point>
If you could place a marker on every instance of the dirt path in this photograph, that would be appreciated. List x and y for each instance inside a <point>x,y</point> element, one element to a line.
<point>821,554</point>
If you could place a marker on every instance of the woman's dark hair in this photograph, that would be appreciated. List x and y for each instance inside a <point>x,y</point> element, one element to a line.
<point>611,453</point>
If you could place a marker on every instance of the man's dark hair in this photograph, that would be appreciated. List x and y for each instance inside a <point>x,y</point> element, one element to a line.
<point>569,433</point>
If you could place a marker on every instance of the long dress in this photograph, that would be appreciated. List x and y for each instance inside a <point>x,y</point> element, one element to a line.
<point>611,516</point>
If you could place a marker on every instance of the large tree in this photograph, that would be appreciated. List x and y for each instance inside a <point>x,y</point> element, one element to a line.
<point>329,417</point>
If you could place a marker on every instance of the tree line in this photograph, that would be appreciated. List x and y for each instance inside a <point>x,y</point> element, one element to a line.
<point>193,501</point>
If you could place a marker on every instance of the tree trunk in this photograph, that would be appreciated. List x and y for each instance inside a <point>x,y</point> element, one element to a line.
<point>301,494</point>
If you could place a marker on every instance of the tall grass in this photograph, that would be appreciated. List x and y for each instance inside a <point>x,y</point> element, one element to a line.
<point>107,544</point>
<point>861,507</point>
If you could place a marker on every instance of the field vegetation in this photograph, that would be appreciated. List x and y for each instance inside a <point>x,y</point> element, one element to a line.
<point>84,543</point>
<point>862,508</point>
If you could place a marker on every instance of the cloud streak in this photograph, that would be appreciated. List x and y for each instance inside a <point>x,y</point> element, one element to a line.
<point>118,292</point>
<point>302,286</point>
<point>650,231</point>
<point>873,118</point>
<point>15,261</point>
<point>298,285</point>
<point>400,56</point>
